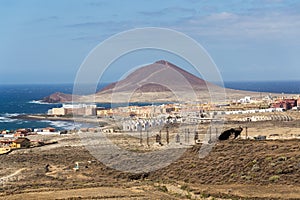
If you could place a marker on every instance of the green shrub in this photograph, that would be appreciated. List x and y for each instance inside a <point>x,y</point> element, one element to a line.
<point>185,187</point>
<point>204,195</point>
<point>268,158</point>
<point>162,188</point>
<point>274,178</point>
<point>278,171</point>
<point>282,158</point>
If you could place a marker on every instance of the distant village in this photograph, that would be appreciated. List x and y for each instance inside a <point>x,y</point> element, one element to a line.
<point>183,110</point>
<point>16,139</point>
<point>140,118</point>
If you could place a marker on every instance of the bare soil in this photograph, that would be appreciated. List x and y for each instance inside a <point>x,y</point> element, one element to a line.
<point>234,169</point>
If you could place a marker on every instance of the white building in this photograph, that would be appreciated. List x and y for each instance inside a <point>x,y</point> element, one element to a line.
<point>77,106</point>
<point>246,99</point>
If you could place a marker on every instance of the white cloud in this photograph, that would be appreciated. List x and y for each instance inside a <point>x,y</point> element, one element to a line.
<point>222,16</point>
<point>271,26</point>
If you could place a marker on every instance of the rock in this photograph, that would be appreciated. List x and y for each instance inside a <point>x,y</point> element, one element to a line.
<point>58,98</point>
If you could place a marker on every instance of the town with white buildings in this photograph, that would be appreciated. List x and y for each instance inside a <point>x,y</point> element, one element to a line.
<point>191,112</point>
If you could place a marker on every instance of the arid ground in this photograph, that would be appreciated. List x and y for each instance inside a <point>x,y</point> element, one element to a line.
<point>234,169</point>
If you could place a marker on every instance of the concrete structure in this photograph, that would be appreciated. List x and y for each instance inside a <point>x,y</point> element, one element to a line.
<point>47,131</point>
<point>74,109</point>
<point>58,111</point>
<point>256,118</point>
<point>143,124</point>
<point>285,104</point>
<point>104,112</point>
<point>22,132</point>
<point>8,135</point>
<point>245,100</point>
<point>268,110</point>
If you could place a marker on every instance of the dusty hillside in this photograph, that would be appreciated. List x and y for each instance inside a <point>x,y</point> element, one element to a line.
<point>238,168</point>
<point>239,162</point>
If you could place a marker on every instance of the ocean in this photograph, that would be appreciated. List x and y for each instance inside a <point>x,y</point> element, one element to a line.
<point>287,87</point>
<point>24,99</point>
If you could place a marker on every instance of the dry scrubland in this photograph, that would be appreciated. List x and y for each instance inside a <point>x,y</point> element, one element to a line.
<point>233,169</point>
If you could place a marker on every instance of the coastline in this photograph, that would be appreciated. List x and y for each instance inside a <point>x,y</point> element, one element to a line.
<point>93,121</point>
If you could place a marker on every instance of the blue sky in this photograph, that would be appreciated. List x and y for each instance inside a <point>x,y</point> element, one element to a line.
<point>46,41</point>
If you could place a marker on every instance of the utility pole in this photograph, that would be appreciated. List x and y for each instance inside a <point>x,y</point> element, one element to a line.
<point>148,138</point>
<point>209,135</point>
<point>188,136</point>
<point>160,134</point>
<point>141,137</point>
<point>167,135</point>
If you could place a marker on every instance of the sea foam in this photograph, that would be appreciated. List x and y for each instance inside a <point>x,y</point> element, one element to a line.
<point>6,120</point>
<point>41,102</point>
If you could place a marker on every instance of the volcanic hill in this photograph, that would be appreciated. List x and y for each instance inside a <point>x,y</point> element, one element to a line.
<point>161,81</point>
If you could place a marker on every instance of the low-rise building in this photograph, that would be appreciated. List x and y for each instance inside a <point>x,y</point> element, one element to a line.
<point>285,104</point>
<point>21,143</point>
<point>22,132</point>
<point>59,111</point>
<point>46,131</point>
<point>105,112</point>
<point>74,109</point>
<point>246,99</point>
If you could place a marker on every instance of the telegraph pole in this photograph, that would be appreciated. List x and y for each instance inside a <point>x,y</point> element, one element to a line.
<point>167,135</point>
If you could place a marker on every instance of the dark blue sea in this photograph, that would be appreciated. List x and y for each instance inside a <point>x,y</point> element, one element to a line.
<point>24,99</point>
<point>287,87</point>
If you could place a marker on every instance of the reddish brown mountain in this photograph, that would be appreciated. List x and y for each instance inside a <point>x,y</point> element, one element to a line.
<point>161,81</point>
<point>160,76</point>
